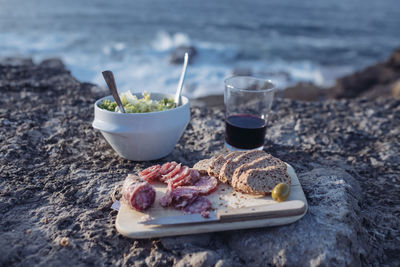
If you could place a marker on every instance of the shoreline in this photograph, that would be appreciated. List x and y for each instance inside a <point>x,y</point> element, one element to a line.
<point>381,79</point>
<point>378,80</point>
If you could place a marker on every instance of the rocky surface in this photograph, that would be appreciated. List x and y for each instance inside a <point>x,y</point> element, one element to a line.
<point>304,92</point>
<point>374,80</point>
<point>381,79</point>
<point>58,174</point>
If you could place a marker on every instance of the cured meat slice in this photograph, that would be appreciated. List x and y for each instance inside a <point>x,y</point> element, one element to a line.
<point>167,167</point>
<point>185,171</point>
<point>150,169</point>
<point>205,185</point>
<point>151,174</point>
<point>194,176</point>
<point>137,193</point>
<point>199,205</point>
<point>189,179</point>
<point>171,174</point>
<point>179,197</point>
<point>164,167</point>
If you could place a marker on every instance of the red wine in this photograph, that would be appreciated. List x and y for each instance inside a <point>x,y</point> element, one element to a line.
<point>245,131</point>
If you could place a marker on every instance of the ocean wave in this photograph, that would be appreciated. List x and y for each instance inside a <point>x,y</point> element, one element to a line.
<point>165,41</point>
<point>147,67</point>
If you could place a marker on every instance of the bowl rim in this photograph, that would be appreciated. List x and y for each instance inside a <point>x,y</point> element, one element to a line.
<point>143,113</point>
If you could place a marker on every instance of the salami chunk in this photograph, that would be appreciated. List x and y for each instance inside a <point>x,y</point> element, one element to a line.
<point>137,193</point>
<point>199,205</point>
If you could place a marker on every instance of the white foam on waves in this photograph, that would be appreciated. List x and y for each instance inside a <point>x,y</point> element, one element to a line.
<point>148,68</point>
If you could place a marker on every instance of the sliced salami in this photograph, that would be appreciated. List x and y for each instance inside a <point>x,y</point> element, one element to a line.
<point>164,167</point>
<point>179,197</point>
<point>185,171</point>
<point>199,205</point>
<point>172,173</point>
<point>189,179</point>
<point>151,174</point>
<point>150,170</point>
<point>137,193</point>
<point>194,176</point>
<point>167,167</point>
<point>185,188</point>
<point>205,185</point>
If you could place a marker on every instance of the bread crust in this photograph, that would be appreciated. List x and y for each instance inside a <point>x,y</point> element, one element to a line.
<point>262,162</point>
<point>262,180</point>
<point>233,163</point>
<point>203,165</point>
<point>250,172</point>
<point>216,166</point>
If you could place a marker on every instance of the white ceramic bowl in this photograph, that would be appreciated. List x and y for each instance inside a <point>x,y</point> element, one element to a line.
<point>143,136</point>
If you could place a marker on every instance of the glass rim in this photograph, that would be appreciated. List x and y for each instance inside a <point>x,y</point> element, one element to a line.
<point>252,78</point>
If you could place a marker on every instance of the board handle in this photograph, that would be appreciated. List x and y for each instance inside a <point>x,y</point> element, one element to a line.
<point>282,209</point>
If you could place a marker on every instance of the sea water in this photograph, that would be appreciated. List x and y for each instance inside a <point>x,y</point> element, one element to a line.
<point>287,41</point>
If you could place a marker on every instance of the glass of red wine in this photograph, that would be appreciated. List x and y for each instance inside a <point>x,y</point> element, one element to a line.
<point>248,102</point>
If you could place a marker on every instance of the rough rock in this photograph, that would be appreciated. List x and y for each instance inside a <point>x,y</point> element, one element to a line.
<point>378,80</point>
<point>201,259</point>
<point>58,175</point>
<point>178,54</point>
<point>332,222</point>
<point>304,92</point>
<point>377,77</point>
<point>396,89</point>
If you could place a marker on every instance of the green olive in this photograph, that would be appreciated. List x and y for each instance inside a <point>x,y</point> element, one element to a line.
<point>280,192</point>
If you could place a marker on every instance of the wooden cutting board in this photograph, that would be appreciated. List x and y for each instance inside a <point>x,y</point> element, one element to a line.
<point>127,222</point>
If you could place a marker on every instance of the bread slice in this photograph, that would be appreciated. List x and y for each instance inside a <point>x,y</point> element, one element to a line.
<point>262,162</point>
<point>213,168</point>
<point>203,165</point>
<point>216,165</point>
<point>262,181</point>
<point>229,167</point>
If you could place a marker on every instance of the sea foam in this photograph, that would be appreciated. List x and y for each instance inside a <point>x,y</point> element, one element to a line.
<point>147,67</point>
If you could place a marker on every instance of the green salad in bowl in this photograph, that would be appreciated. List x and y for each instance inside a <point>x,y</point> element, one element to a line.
<point>132,104</point>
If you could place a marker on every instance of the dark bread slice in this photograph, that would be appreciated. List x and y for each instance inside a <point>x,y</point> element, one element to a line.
<point>217,164</point>
<point>203,165</point>
<point>227,170</point>
<point>213,168</point>
<point>262,181</point>
<point>265,161</point>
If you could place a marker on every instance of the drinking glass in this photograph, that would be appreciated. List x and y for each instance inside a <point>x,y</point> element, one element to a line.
<point>248,102</point>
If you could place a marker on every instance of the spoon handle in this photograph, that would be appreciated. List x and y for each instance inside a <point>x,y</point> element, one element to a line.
<point>109,78</point>
<point>177,99</point>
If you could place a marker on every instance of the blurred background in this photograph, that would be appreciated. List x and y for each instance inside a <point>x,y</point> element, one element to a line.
<point>141,41</point>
